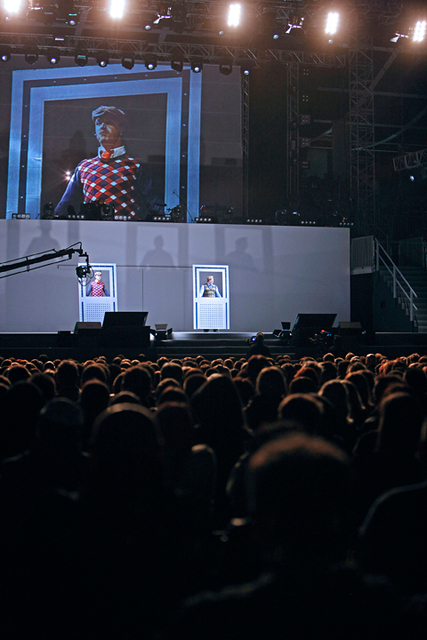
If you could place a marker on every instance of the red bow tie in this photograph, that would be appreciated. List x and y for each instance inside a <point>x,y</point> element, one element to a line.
<point>106,155</point>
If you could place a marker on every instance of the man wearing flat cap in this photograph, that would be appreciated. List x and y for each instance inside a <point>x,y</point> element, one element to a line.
<point>112,176</point>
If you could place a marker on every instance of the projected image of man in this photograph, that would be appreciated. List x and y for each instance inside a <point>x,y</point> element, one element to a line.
<point>112,176</point>
<point>209,289</point>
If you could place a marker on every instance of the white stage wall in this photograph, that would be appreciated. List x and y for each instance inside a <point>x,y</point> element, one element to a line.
<point>275,272</point>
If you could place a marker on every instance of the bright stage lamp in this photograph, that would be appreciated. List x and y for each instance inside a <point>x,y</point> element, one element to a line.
<point>419,31</point>
<point>117,8</point>
<point>332,22</point>
<point>234,13</point>
<point>11,6</point>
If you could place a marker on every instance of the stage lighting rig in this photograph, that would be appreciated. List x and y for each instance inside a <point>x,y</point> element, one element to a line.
<point>102,59</point>
<point>53,56</point>
<point>416,33</point>
<point>332,22</point>
<point>226,66</point>
<point>31,54</point>
<point>177,62</point>
<point>11,7</point>
<point>68,13</point>
<point>150,62</point>
<point>196,66</point>
<point>117,8</point>
<point>5,54</point>
<point>81,57</point>
<point>128,58</point>
<point>234,14</point>
<point>296,22</point>
<point>419,31</point>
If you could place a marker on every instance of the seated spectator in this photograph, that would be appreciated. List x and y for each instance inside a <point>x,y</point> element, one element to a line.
<point>300,496</point>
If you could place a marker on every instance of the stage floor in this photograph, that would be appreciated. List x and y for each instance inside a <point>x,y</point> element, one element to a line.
<point>89,343</point>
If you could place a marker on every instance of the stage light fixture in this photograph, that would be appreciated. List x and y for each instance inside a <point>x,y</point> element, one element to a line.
<point>234,15</point>
<point>177,62</point>
<point>296,22</point>
<point>332,22</point>
<point>164,12</point>
<point>31,54</point>
<point>72,17</point>
<point>246,68</point>
<point>11,7</point>
<point>102,58</point>
<point>226,67</point>
<point>117,8</point>
<point>68,12</point>
<point>150,62</point>
<point>81,57</point>
<point>196,66</point>
<point>53,56</point>
<point>419,31</point>
<point>128,61</point>
<point>5,54</point>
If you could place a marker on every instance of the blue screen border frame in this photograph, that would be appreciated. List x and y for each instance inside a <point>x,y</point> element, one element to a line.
<point>26,142</point>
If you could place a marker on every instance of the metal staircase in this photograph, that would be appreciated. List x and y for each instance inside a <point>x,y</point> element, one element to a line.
<point>417,278</point>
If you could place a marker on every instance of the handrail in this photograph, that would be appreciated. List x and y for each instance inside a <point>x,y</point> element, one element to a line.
<point>398,277</point>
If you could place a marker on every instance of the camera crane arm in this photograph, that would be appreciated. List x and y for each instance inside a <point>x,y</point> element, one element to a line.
<point>27,263</point>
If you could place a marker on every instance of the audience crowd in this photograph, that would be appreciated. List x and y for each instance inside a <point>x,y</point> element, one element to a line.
<point>233,498</point>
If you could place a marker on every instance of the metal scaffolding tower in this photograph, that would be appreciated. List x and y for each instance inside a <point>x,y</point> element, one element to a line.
<point>362,132</point>
<point>293,164</point>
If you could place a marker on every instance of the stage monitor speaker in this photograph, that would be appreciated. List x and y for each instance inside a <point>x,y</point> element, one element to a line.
<point>82,326</point>
<point>125,329</point>
<point>314,320</point>
<point>124,319</point>
<point>350,328</point>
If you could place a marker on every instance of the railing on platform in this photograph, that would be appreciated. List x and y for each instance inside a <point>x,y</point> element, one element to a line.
<point>401,286</point>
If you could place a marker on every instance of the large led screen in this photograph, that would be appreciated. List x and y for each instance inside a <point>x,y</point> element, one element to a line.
<point>182,130</point>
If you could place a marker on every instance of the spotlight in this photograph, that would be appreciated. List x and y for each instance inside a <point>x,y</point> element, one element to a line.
<point>164,12</point>
<point>53,56</point>
<point>177,62</point>
<point>117,8</point>
<point>246,68</point>
<point>31,54</point>
<point>296,22</point>
<point>419,31</point>
<point>5,54</point>
<point>234,15</point>
<point>102,58</point>
<point>196,66</point>
<point>11,6</point>
<point>68,12</point>
<point>150,62</point>
<point>332,22</point>
<point>72,17</point>
<point>81,57</point>
<point>226,67</point>
<point>128,61</point>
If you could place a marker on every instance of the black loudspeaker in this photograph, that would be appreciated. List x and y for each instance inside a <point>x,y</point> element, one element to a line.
<point>125,319</point>
<point>316,320</point>
<point>350,328</point>
<point>307,325</point>
<point>82,326</point>
<point>125,329</point>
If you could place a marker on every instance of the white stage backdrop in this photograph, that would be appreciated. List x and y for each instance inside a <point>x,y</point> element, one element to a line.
<point>275,272</point>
